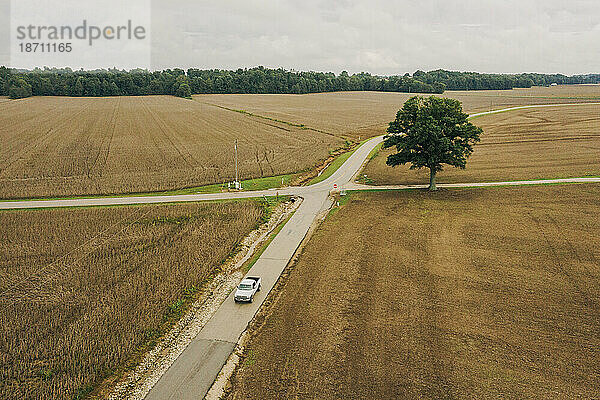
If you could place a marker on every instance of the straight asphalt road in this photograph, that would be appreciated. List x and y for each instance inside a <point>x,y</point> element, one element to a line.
<point>358,186</point>
<point>194,371</point>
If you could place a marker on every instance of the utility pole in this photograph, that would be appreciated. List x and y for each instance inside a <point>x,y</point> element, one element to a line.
<point>237,182</point>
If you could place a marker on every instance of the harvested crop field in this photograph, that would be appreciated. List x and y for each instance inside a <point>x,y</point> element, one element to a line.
<point>54,146</point>
<point>561,91</point>
<point>554,142</point>
<point>476,293</point>
<point>358,115</point>
<point>82,290</point>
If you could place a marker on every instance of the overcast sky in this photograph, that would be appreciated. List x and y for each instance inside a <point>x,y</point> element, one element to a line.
<point>378,36</point>
<point>381,36</point>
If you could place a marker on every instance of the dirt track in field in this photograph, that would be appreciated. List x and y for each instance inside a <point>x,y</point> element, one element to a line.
<point>556,142</point>
<point>479,293</point>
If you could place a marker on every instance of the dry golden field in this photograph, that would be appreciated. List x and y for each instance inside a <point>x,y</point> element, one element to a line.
<point>364,114</point>
<point>345,114</point>
<point>462,294</point>
<point>556,142</point>
<point>83,289</point>
<point>72,146</point>
<point>561,91</point>
<point>82,146</point>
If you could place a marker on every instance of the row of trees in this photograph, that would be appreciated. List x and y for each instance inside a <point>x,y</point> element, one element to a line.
<point>177,82</point>
<point>453,80</point>
<point>65,82</point>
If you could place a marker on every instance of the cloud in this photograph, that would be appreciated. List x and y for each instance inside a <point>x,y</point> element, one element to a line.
<point>379,36</point>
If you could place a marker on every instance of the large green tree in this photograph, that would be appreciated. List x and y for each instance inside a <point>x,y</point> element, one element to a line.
<point>429,132</point>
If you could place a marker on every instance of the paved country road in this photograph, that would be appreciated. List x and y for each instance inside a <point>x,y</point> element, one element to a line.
<point>357,186</point>
<point>192,374</point>
<point>343,177</point>
<point>194,371</point>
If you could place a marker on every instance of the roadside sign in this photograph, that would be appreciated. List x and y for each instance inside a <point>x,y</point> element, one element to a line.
<point>335,186</point>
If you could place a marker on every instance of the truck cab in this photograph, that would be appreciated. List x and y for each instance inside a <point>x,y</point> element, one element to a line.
<point>247,289</point>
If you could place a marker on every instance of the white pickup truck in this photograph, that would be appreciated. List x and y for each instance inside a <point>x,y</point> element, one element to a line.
<point>247,289</point>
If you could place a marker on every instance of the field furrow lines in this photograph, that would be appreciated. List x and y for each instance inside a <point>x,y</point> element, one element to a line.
<point>164,130</point>
<point>142,144</point>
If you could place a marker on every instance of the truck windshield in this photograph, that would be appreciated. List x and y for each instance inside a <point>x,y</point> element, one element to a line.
<point>245,286</point>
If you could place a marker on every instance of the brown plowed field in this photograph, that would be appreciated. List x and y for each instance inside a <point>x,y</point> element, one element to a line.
<point>82,289</point>
<point>555,142</point>
<point>463,294</point>
<point>55,146</point>
<point>364,114</point>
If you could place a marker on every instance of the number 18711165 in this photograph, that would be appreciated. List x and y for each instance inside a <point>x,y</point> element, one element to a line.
<point>35,47</point>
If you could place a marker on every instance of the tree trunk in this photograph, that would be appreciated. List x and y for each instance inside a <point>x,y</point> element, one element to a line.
<point>432,185</point>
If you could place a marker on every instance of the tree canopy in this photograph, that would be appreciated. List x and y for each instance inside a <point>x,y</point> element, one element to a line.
<point>429,132</point>
<point>20,89</point>
<point>113,82</point>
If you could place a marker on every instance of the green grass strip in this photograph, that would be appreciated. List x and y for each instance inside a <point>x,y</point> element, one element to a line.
<point>250,263</point>
<point>335,165</point>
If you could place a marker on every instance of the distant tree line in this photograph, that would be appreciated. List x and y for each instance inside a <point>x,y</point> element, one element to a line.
<point>177,82</point>
<point>453,80</point>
